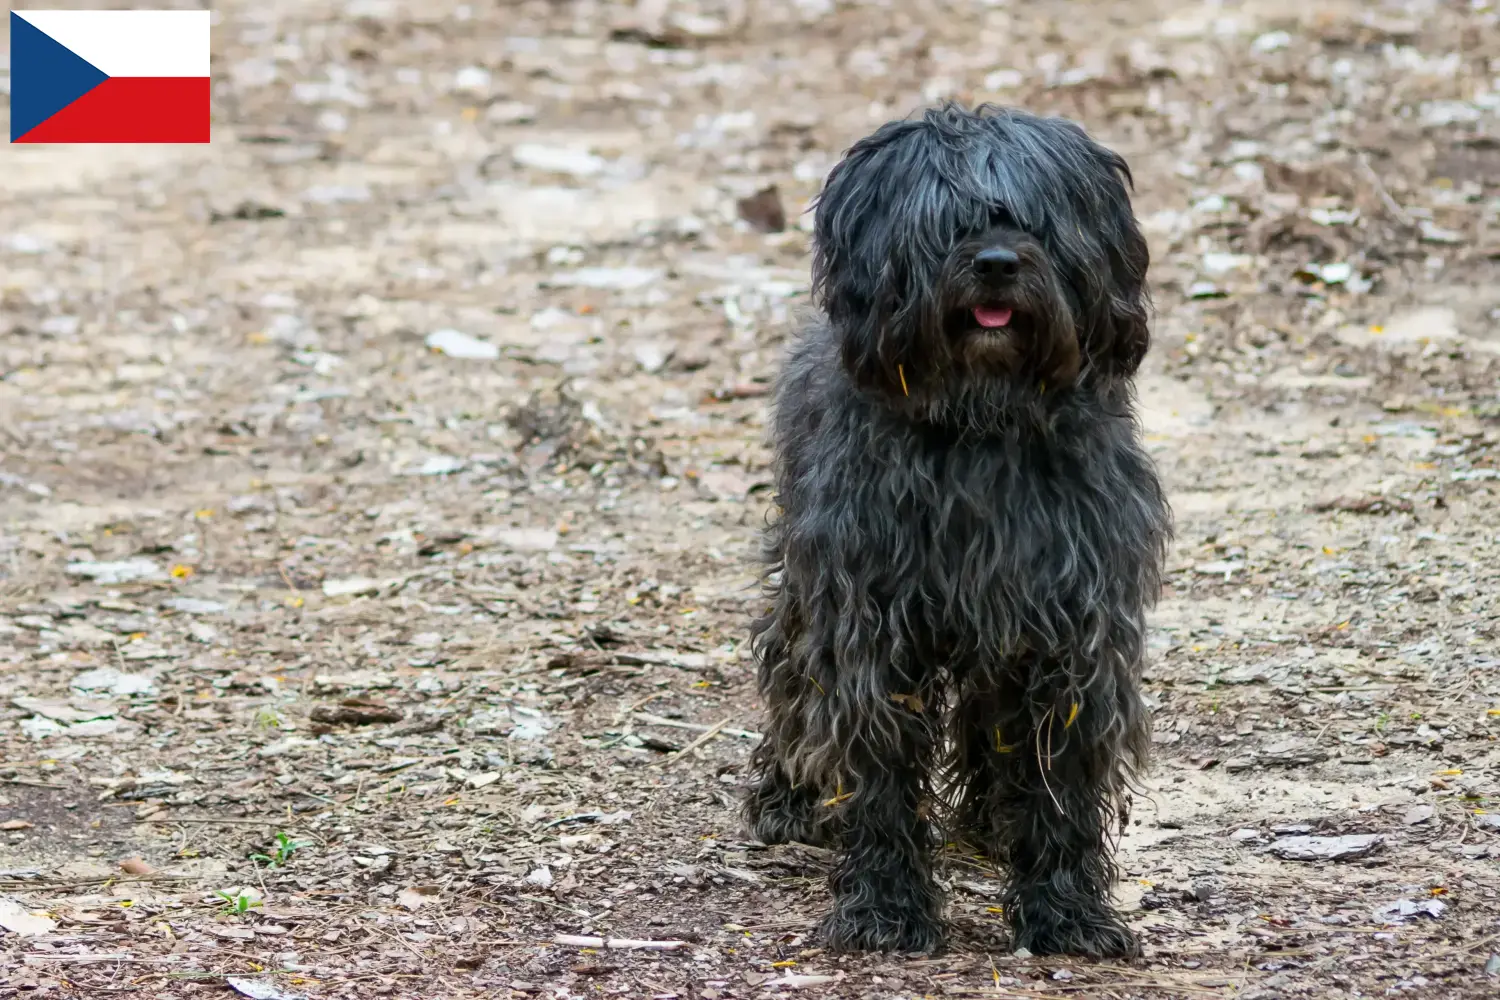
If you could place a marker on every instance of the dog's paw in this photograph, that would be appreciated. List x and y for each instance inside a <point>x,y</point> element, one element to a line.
<point>872,927</point>
<point>1091,933</point>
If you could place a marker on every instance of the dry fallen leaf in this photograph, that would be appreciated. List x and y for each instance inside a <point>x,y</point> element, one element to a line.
<point>912,702</point>
<point>356,711</point>
<point>17,919</point>
<point>1306,848</point>
<point>259,989</point>
<point>414,897</point>
<point>763,210</point>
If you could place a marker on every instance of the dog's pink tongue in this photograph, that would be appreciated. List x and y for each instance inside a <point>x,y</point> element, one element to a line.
<point>988,316</point>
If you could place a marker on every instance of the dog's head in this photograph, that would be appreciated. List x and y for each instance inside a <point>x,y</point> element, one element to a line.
<point>979,246</point>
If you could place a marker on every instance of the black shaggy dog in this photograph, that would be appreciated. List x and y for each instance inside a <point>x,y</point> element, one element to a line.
<point>969,534</point>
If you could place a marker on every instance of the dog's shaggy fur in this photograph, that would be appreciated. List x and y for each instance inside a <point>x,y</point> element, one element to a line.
<point>969,534</point>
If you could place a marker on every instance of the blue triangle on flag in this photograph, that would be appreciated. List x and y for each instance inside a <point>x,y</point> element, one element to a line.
<point>45,77</point>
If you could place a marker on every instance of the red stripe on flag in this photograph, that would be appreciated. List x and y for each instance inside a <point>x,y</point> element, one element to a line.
<point>132,109</point>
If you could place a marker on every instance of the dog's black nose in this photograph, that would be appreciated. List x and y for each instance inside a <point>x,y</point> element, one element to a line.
<point>997,264</point>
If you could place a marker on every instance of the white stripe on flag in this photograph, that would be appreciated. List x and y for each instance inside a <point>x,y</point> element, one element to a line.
<point>131,42</point>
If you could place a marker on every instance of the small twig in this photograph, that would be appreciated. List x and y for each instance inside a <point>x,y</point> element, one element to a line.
<point>558,906</point>
<point>39,762</point>
<point>101,880</point>
<point>1481,943</point>
<point>700,741</point>
<point>622,944</point>
<point>743,391</point>
<point>286,578</point>
<point>1462,690</point>
<point>34,784</point>
<point>778,925</point>
<point>1384,195</point>
<point>166,821</point>
<point>119,656</point>
<point>642,703</point>
<point>795,981</point>
<point>1354,687</point>
<point>645,718</point>
<point>190,974</point>
<point>93,959</point>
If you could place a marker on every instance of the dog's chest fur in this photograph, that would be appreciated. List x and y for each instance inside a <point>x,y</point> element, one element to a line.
<point>1033,535</point>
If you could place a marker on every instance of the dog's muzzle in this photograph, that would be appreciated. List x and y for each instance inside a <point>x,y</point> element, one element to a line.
<point>997,269</point>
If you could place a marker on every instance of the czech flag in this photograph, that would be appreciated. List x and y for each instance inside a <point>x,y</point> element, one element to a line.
<point>109,76</point>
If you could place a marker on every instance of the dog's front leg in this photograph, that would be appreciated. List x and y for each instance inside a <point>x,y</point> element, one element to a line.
<point>1047,767</point>
<point>786,783</point>
<point>779,809</point>
<point>884,895</point>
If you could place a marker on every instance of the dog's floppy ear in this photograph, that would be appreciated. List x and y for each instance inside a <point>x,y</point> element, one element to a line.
<point>1128,260</point>
<point>854,279</point>
<point>1130,302</point>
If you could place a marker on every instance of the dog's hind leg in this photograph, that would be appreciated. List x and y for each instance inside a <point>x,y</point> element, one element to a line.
<point>884,895</point>
<point>1045,774</point>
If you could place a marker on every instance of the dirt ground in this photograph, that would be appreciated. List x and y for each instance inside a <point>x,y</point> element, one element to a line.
<point>464,624</point>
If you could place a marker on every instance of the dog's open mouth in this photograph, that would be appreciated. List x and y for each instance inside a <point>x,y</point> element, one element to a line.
<point>990,327</point>
<point>992,317</point>
<point>994,321</point>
